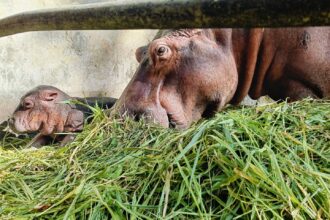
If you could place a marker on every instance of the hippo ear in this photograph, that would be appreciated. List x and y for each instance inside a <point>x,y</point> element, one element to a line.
<point>49,95</point>
<point>75,120</point>
<point>140,52</point>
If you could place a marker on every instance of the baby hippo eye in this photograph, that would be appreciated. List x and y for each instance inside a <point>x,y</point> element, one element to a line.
<point>161,50</point>
<point>28,104</point>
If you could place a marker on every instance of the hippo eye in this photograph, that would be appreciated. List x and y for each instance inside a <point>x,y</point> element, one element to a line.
<point>161,50</point>
<point>28,104</point>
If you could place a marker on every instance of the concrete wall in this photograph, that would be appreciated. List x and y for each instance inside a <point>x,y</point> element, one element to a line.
<point>82,63</point>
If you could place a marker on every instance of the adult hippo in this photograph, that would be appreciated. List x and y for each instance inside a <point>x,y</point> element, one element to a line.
<point>191,73</point>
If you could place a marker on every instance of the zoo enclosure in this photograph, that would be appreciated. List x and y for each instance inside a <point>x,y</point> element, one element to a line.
<point>162,14</point>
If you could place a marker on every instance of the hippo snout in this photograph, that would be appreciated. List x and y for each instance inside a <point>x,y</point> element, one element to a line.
<point>11,121</point>
<point>151,114</point>
<point>16,125</point>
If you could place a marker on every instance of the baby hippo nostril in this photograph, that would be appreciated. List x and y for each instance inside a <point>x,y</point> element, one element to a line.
<point>11,121</point>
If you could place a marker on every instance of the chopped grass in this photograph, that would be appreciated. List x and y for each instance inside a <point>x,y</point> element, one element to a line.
<point>265,162</point>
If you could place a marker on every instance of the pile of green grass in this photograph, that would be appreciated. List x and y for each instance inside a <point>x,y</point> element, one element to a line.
<point>266,162</point>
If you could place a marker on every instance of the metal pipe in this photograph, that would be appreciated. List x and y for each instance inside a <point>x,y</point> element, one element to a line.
<point>164,14</point>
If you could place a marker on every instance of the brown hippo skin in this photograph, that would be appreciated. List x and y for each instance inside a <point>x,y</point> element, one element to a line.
<point>46,110</point>
<point>187,74</point>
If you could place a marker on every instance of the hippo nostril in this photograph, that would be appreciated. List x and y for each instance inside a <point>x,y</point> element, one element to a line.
<point>171,122</point>
<point>11,120</point>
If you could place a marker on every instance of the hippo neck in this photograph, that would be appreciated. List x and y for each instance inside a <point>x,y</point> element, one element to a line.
<point>246,46</point>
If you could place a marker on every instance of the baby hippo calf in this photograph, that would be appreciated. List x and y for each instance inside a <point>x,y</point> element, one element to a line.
<point>46,111</point>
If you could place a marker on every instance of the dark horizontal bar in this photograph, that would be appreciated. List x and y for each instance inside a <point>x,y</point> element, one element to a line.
<point>165,14</point>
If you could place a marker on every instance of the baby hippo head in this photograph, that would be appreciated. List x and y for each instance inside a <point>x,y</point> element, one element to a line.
<point>44,110</point>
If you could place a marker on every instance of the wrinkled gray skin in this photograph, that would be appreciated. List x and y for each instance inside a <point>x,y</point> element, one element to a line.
<point>42,110</point>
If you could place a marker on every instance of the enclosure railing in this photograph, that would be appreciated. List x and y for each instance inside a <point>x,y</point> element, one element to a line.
<point>162,14</point>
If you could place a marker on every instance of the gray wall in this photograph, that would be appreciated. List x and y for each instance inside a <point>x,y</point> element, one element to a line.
<point>82,63</point>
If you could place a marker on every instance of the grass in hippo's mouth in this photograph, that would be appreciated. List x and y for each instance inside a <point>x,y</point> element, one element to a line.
<point>262,162</point>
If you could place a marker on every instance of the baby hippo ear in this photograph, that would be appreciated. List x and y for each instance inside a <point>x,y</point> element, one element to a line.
<point>48,95</point>
<point>75,121</point>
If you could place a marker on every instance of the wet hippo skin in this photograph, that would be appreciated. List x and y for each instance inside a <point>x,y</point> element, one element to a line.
<point>48,110</point>
<point>192,73</point>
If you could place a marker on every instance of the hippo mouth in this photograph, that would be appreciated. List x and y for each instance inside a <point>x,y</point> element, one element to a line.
<point>34,128</point>
<point>41,126</point>
<point>175,116</point>
<point>175,122</point>
<point>22,129</point>
<point>211,109</point>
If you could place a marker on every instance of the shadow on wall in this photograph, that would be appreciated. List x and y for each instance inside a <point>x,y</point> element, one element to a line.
<point>82,63</point>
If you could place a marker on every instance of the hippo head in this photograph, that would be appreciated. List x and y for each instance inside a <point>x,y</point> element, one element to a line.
<point>182,76</point>
<point>43,110</point>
